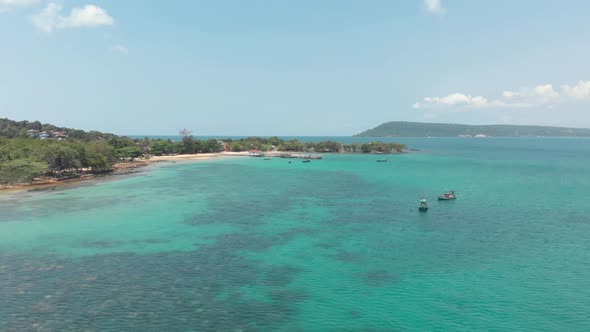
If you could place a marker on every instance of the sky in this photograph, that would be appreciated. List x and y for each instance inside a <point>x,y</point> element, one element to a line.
<point>298,67</point>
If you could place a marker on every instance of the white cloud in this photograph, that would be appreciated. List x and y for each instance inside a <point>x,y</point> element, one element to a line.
<point>511,94</point>
<point>6,5</point>
<point>454,99</point>
<point>541,95</point>
<point>122,49</point>
<point>458,99</point>
<point>17,2</point>
<point>88,16</point>
<point>434,7</point>
<point>546,91</point>
<point>47,19</point>
<point>578,91</point>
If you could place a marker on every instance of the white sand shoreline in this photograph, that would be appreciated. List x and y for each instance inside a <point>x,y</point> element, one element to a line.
<point>119,169</point>
<point>47,183</point>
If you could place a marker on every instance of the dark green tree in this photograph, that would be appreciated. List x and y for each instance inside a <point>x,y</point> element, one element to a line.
<point>21,171</point>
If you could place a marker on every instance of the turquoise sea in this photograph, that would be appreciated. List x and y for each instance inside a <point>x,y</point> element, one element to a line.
<point>246,244</point>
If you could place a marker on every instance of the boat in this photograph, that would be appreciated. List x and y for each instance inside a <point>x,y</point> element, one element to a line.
<point>449,195</point>
<point>266,158</point>
<point>382,160</point>
<point>306,161</point>
<point>300,156</point>
<point>423,205</point>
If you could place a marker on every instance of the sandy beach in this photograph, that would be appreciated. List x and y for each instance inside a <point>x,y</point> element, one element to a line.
<point>47,183</point>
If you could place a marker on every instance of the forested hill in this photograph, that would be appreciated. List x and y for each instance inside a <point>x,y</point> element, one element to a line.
<point>419,129</point>
<point>14,129</point>
<point>29,150</point>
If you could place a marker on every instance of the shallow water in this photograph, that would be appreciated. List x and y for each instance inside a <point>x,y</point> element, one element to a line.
<point>337,244</point>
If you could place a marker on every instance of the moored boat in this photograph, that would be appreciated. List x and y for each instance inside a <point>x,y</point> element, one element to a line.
<point>449,195</point>
<point>423,205</point>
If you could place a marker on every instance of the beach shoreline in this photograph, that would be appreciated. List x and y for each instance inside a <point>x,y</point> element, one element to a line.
<point>122,168</point>
<point>131,167</point>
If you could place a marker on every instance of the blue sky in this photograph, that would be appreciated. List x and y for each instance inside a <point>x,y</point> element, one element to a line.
<point>305,67</point>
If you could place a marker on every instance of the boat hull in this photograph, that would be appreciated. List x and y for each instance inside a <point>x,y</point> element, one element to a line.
<point>442,198</point>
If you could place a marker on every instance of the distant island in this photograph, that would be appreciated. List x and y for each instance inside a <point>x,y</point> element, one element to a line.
<point>419,129</point>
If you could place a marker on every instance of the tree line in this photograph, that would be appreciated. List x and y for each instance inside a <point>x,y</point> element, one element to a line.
<point>275,143</point>
<point>23,158</point>
<point>190,145</point>
<point>19,129</point>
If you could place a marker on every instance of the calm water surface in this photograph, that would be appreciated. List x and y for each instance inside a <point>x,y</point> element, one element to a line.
<point>337,244</point>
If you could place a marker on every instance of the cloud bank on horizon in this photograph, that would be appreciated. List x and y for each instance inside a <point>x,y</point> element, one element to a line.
<point>523,98</point>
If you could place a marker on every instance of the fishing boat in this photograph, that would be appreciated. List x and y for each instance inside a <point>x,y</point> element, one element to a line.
<point>449,195</point>
<point>423,205</point>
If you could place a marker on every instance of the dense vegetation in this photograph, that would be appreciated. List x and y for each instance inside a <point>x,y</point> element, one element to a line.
<point>18,129</point>
<point>24,157</point>
<point>190,145</point>
<point>417,129</point>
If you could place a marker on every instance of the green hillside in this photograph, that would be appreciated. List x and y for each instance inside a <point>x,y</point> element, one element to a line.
<point>15,129</point>
<point>419,129</point>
